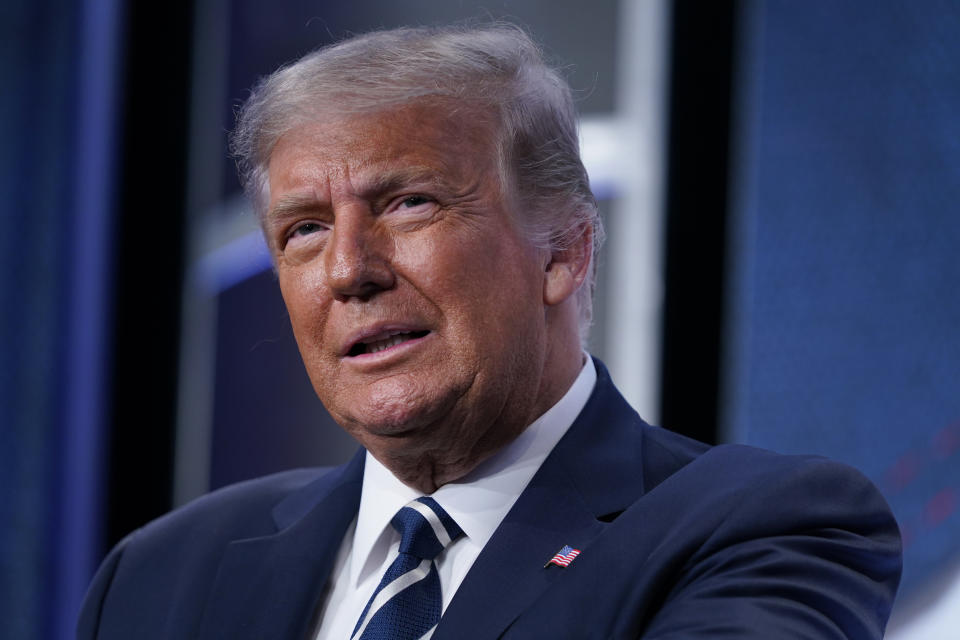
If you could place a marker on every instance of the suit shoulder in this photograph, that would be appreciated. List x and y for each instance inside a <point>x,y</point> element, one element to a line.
<point>733,465</point>
<point>751,465</point>
<point>241,509</point>
<point>739,480</point>
<point>162,570</point>
<point>770,491</point>
<point>666,452</point>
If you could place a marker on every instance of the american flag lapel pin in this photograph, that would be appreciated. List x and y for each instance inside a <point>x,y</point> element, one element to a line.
<point>564,557</point>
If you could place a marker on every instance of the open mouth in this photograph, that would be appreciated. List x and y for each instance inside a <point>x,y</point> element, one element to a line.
<point>381,344</point>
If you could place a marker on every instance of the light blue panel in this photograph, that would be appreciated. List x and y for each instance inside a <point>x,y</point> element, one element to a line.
<point>844,319</point>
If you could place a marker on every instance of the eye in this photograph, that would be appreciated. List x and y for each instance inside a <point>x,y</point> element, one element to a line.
<point>413,201</point>
<point>304,234</point>
<point>305,229</point>
<point>414,208</point>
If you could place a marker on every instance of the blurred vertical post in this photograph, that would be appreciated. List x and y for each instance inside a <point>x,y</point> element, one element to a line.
<point>78,536</point>
<point>635,228</point>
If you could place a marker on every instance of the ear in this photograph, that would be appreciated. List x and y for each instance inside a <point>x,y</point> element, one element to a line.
<point>568,268</point>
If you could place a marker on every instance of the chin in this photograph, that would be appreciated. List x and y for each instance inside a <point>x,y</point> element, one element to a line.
<point>398,413</point>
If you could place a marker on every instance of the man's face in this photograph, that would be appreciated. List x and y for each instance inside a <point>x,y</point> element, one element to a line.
<point>417,303</point>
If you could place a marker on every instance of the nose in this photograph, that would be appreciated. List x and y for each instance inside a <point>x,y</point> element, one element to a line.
<point>357,263</point>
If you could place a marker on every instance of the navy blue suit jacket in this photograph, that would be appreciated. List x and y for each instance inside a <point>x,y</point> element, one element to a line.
<point>677,540</point>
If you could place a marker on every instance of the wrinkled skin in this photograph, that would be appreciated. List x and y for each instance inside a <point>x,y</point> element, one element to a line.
<point>431,329</point>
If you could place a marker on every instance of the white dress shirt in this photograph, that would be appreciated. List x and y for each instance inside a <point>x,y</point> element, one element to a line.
<point>478,502</point>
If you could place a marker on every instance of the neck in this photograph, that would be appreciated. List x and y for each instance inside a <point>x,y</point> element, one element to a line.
<point>427,471</point>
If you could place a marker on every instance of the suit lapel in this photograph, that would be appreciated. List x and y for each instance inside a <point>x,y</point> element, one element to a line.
<point>589,477</point>
<point>268,587</point>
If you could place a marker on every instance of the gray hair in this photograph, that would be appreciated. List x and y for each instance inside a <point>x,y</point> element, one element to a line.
<point>495,67</point>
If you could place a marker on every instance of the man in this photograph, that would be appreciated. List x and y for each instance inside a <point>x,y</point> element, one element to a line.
<point>434,234</point>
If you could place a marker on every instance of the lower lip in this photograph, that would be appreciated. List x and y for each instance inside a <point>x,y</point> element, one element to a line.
<point>389,351</point>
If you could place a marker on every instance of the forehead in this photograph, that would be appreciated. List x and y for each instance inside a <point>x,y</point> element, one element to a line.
<point>451,141</point>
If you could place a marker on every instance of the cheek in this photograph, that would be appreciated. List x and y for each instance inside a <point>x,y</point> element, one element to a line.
<point>303,298</point>
<point>468,256</point>
<point>484,285</point>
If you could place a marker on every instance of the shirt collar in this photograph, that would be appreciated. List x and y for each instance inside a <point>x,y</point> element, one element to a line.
<point>479,501</point>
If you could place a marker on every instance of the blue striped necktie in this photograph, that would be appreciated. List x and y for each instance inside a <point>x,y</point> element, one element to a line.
<point>407,603</point>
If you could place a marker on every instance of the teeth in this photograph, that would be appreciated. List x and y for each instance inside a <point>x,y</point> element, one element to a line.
<point>392,341</point>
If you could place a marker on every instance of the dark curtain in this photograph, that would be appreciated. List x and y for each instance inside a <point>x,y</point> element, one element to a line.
<point>55,124</point>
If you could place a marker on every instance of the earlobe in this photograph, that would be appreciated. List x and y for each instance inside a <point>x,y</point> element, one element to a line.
<point>568,268</point>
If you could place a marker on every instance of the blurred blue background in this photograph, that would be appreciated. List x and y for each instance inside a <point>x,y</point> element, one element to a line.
<point>795,168</point>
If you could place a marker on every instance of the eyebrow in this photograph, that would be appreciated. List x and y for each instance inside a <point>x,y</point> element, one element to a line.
<point>295,204</point>
<point>292,205</point>
<point>396,178</point>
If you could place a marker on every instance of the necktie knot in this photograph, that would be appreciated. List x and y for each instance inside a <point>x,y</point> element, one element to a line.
<point>407,604</point>
<point>425,528</point>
